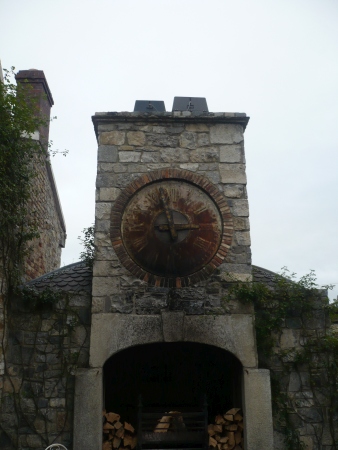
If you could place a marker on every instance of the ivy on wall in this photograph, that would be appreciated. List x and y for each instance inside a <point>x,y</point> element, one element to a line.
<point>287,301</point>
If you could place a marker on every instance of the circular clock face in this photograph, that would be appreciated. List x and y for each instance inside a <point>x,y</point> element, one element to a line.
<point>170,232</point>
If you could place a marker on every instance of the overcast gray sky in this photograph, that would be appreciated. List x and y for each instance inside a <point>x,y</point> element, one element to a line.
<point>276,60</point>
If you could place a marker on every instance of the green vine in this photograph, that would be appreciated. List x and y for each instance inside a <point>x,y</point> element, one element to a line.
<point>286,301</point>
<point>87,240</point>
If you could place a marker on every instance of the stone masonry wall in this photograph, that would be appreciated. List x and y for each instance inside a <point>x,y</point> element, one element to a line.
<point>48,339</point>
<point>45,251</point>
<point>131,144</point>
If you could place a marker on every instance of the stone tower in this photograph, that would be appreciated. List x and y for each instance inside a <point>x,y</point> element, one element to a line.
<point>171,233</point>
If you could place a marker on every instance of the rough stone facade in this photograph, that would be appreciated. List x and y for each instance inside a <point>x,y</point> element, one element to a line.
<point>45,252</point>
<point>130,145</point>
<point>48,340</point>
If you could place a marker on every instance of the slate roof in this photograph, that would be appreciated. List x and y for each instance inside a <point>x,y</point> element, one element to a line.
<point>77,277</point>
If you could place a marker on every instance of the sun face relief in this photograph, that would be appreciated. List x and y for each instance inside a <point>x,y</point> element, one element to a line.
<point>171,229</point>
<point>170,232</point>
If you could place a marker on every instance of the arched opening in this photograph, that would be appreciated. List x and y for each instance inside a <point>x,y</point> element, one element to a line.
<point>176,374</point>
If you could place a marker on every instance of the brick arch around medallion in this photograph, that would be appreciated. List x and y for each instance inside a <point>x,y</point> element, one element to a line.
<point>179,175</point>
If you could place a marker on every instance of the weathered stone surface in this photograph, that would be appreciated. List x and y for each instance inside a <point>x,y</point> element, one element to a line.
<point>230,153</point>
<point>189,166</point>
<point>232,173</point>
<point>196,127</point>
<point>188,140</point>
<point>102,210</point>
<point>241,223</point>
<point>162,140</point>
<point>240,208</point>
<point>203,139</point>
<point>257,421</point>
<point>109,194</point>
<point>233,191</point>
<point>136,138</point>
<point>105,286</point>
<point>88,409</point>
<point>174,155</point>
<point>242,237</point>
<point>150,157</point>
<point>172,325</point>
<point>204,154</point>
<point>107,153</point>
<point>226,134</point>
<point>129,156</point>
<point>289,338</point>
<point>112,138</point>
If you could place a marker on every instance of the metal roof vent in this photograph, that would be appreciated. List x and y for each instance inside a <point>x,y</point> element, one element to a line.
<point>192,104</point>
<point>149,106</point>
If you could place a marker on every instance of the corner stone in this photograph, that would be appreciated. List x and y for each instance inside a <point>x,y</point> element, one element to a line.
<point>226,134</point>
<point>233,173</point>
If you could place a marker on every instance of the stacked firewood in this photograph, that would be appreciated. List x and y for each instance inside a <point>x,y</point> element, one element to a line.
<point>227,431</point>
<point>117,435</point>
<point>173,421</point>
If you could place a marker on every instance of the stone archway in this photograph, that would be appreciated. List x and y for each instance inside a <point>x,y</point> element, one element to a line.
<point>112,333</point>
<point>177,374</point>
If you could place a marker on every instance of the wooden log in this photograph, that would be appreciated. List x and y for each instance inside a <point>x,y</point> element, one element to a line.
<point>238,417</point>
<point>128,440</point>
<point>112,417</point>
<point>120,432</point>
<point>212,442</point>
<point>238,437</point>
<point>129,427</point>
<point>229,417</point>
<point>232,427</point>
<point>211,431</point>
<point>118,425</point>
<point>231,436</point>
<point>233,411</point>
<point>106,445</point>
<point>116,442</point>
<point>224,439</point>
<point>218,428</point>
<point>219,420</point>
<point>107,427</point>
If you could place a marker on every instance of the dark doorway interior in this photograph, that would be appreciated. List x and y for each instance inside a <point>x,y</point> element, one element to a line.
<point>172,374</point>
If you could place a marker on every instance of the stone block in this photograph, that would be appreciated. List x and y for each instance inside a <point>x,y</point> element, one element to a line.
<point>241,223</point>
<point>88,409</point>
<point>226,134</point>
<point>102,268</point>
<point>234,190</point>
<point>232,173</point>
<point>107,153</point>
<point>240,208</point>
<point>188,140</point>
<point>230,153</point>
<point>150,157</point>
<point>172,325</point>
<point>295,382</point>
<point>136,138</point>
<point>203,139</point>
<point>257,409</point>
<point>209,154</point>
<point>162,140</point>
<point>189,166</point>
<point>102,211</point>
<point>289,338</point>
<point>112,138</point>
<point>129,156</point>
<point>196,127</point>
<point>109,194</point>
<point>174,155</point>
<point>242,237</point>
<point>103,286</point>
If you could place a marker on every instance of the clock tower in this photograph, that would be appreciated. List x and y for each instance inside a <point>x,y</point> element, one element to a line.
<point>171,234</point>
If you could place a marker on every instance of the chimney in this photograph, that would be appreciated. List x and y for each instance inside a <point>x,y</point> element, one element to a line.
<point>40,92</point>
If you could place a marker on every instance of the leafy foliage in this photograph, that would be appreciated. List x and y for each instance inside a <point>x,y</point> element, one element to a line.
<point>88,254</point>
<point>274,304</point>
<point>19,157</point>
